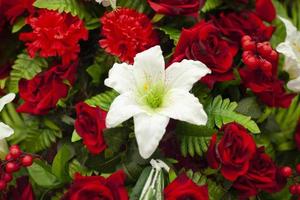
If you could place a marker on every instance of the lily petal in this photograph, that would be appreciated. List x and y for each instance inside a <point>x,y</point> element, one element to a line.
<point>6,99</point>
<point>5,131</point>
<point>291,30</point>
<point>123,107</point>
<point>149,66</point>
<point>184,106</point>
<point>286,49</point>
<point>120,78</point>
<point>149,129</point>
<point>184,74</point>
<point>294,85</point>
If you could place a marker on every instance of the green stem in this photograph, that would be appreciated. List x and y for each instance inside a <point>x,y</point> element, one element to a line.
<point>14,115</point>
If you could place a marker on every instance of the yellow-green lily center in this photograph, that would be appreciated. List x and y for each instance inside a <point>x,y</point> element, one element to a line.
<point>152,94</point>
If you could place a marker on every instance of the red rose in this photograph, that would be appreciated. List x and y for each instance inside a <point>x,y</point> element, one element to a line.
<point>89,124</point>
<point>126,33</point>
<point>42,93</point>
<point>54,34</point>
<point>97,187</point>
<point>203,42</point>
<point>184,188</point>
<point>235,25</point>
<point>262,175</point>
<point>177,7</point>
<point>233,152</point>
<point>265,10</point>
<point>22,191</point>
<point>297,136</point>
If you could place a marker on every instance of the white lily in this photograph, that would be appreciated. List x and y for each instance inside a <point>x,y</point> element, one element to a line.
<point>106,3</point>
<point>291,49</point>
<point>152,95</point>
<point>5,130</point>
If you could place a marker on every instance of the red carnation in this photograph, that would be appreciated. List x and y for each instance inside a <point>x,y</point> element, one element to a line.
<point>98,187</point>
<point>54,34</point>
<point>263,174</point>
<point>89,124</point>
<point>14,8</point>
<point>265,10</point>
<point>177,7</point>
<point>126,33</point>
<point>233,152</point>
<point>184,188</point>
<point>42,93</point>
<point>203,42</point>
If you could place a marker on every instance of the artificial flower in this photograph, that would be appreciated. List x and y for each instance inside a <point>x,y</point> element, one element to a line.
<point>234,25</point>
<point>184,188</point>
<point>263,174</point>
<point>42,92</point>
<point>153,95</point>
<point>55,34</point>
<point>22,191</point>
<point>291,49</point>
<point>203,42</point>
<point>126,32</point>
<point>98,187</point>
<point>106,3</point>
<point>233,152</point>
<point>89,125</point>
<point>265,10</point>
<point>5,130</point>
<point>177,7</point>
<point>15,8</point>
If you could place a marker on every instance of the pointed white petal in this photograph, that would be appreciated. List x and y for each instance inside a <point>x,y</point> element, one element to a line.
<point>286,49</point>
<point>120,78</point>
<point>291,30</point>
<point>184,106</point>
<point>6,99</point>
<point>149,129</point>
<point>123,107</point>
<point>185,73</point>
<point>5,131</point>
<point>149,66</point>
<point>294,85</point>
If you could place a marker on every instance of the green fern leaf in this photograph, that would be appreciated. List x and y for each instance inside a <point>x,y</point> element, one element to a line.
<point>25,67</point>
<point>139,5</point>
<point>74,7</point>
<point>103,100</point>
<point>223,111</point>
<point>192,145</point>
<point>210,5</point>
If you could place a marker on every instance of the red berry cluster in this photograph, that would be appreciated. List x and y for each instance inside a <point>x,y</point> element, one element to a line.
<point>258,54</point>
<point>288,173</point>
<point>14,160</point>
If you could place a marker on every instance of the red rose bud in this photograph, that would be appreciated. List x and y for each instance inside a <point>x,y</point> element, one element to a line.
<point>286,171</point>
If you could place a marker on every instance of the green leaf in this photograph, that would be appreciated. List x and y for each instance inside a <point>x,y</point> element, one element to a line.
<point>173,33</point>
<point>25,67</point>
<point>60,162</point>
<point>139,5</point>
<point>76,167</point>
<point>184,128</point>
<point>193,145</point>
<point>137,189</point>
<point>74,7</point>
<point>103,100</point>
<point>221,112</point>
<point>18,25</point>
<point>210,5</point>
<point>250,107</point>
<point>75,136</point>
<point>41,174</point>
<point>116,137</point>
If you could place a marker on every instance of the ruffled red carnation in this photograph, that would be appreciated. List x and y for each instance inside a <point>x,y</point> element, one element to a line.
<point>126,33</point>
<point>55,34</point>
<point>14,8</point>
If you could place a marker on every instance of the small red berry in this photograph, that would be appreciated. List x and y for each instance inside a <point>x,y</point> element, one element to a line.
<point>293,189</point>
<point>251,61</point>
<point>2,185</point>
<point>248,45</point>
<point>27,160</point>
<point>8,157</point>
<point>246,38</point>
<point>11,167</point>
<point>7,177</point>
<point>298,168</point>
<point>273,55</point>
<point>298,189</point>
<point>287,172</point>
<point>15,151</point>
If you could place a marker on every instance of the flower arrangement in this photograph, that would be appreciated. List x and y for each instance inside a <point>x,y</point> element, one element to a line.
<point>149,99</point>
